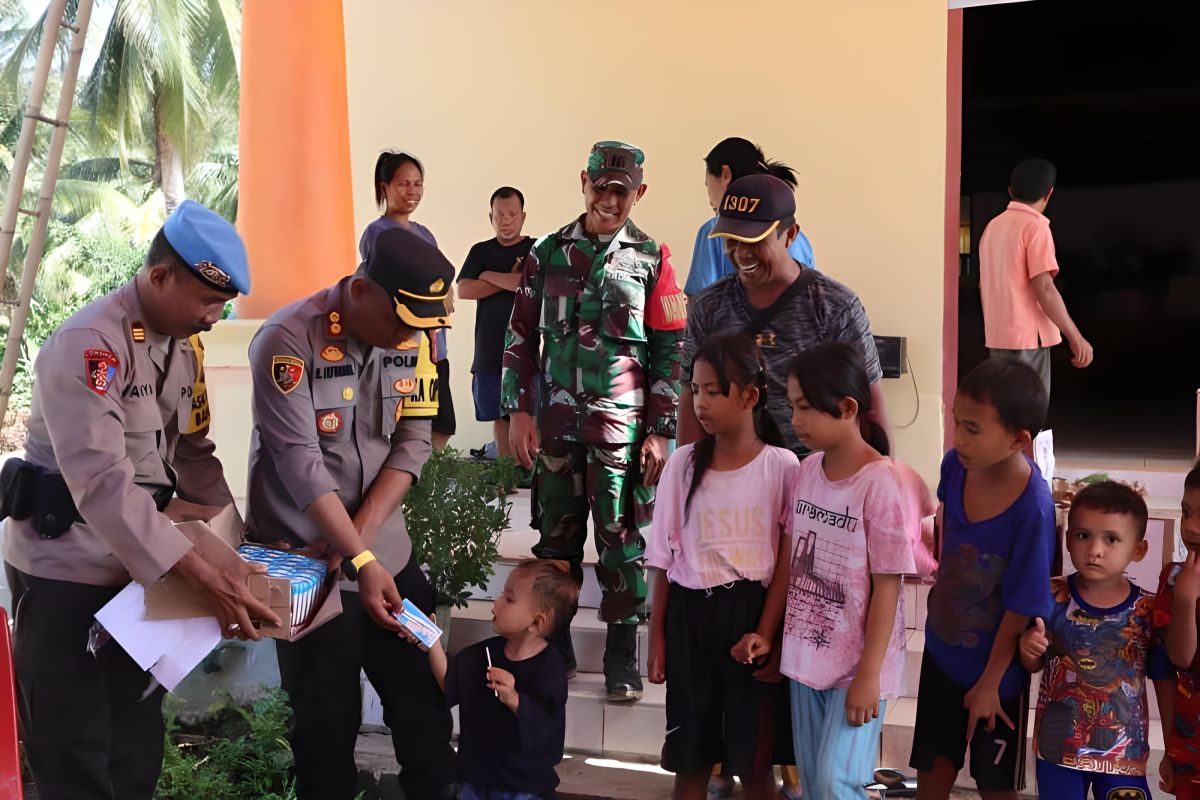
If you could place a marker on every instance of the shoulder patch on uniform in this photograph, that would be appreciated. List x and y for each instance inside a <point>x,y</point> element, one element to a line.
<point>286,371</point>
<point>138,331</point>
<point>101,368</point>
<point>332,353</point>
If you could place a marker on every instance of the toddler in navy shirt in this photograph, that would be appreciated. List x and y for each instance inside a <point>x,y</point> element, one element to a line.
<point>511,690</point>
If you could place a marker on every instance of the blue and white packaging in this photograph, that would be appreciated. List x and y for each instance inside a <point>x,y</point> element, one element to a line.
<point>419,625</point>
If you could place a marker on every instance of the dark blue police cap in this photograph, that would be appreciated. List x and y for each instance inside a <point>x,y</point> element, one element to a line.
<point>209,246</point>
<point>415,275</point>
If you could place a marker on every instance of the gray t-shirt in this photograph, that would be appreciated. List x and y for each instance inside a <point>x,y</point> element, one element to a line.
<point>823,311</point>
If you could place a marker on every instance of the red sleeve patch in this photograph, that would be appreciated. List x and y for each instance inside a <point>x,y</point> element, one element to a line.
<point>101,366</point>
<point>667,307</point>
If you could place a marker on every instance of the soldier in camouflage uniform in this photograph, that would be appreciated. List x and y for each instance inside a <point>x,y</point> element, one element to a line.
<point>594,348</point>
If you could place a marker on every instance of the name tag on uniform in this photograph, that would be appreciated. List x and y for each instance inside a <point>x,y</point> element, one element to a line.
<point>409,376</point>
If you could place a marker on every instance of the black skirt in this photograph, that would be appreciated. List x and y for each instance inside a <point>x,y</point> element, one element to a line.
<point>717,711</point>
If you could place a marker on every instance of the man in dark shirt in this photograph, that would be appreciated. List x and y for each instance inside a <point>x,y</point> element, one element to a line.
<point>491,275</point>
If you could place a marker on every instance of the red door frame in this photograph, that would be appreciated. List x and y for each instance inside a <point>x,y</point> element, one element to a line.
<point>954,37</point>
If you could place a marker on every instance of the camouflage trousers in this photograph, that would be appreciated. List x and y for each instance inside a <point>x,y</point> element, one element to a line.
<point>573,479</point>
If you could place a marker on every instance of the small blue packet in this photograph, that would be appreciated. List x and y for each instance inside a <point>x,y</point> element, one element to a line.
<point>419,625</point>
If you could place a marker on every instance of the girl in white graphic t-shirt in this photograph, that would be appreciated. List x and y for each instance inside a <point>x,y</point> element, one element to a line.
<point>837,587</point>
<point>719,511</point>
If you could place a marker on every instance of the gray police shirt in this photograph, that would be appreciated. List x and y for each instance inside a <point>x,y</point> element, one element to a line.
<point>115,403</point>
<point>328,417</point>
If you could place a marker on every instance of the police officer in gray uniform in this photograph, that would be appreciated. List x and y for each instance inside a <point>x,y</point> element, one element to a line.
<point>333,454</point>
<point>118,427</point>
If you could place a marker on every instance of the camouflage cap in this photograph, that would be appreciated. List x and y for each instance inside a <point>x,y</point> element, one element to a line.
<point>612,162</point>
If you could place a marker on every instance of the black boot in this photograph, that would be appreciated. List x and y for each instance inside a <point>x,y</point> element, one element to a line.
<point>621,675</point>
<point>561,640</point>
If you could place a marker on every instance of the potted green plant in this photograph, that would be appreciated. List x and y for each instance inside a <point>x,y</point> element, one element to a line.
<point>455,514</point>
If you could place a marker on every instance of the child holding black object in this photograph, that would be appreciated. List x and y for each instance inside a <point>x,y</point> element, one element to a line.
<point>511,690</point>
<point>1095,650</point>
<point>721,504</point>
<point>993,577</point>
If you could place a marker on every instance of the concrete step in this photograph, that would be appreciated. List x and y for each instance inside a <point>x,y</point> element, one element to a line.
<point>582,776</point>
<point>516,544</point>
<point>615,729</point>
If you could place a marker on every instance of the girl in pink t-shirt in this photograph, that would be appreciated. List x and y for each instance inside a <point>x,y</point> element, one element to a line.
<point>841,558</point>
<point>719,510</point>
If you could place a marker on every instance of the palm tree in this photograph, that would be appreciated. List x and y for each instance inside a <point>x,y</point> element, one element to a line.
<point>163,67</point>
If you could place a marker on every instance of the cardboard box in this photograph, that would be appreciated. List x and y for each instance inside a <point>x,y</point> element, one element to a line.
<point>174,598</point>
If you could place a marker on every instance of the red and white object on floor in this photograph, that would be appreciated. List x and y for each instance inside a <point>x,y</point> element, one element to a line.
<point>10,759</point>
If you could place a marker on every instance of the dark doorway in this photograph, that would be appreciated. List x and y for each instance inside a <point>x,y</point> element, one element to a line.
<point>1110,92</point>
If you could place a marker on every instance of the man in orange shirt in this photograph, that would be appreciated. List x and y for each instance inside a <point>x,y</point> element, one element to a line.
<point>1023,313</point>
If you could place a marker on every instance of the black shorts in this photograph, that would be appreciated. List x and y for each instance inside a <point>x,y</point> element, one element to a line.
<point>444,422</point>
<point>485,390</point>
<point>997,758</point>
<point>716,710</point>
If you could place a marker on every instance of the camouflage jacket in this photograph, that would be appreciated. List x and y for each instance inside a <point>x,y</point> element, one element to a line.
<point>595,342</point>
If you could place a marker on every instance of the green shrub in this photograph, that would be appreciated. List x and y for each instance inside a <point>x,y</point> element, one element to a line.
<point>233,754</point>
<point>89,263</point>
<point>455,514</point>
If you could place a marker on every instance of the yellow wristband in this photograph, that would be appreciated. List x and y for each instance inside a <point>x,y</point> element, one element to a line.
<point>362,559</point>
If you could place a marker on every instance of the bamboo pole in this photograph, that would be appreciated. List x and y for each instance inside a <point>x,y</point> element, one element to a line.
<point>58,139</point>
<point>33,110</point>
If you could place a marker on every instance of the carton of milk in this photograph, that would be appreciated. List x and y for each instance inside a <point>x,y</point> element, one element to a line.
<point>419,625</point>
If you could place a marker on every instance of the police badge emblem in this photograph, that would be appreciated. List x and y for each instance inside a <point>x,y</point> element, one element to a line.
<point>286,371</point>
<point>330,422</point>
<point>101,368</point>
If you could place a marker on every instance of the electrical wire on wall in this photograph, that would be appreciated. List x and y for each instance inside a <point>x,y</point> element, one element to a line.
<point>916,394</point>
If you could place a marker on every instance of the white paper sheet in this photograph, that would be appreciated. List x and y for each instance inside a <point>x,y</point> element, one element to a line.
<point>168,648</point>
<point>172,668</point>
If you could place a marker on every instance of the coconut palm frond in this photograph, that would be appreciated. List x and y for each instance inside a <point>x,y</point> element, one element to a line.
<point>76,199</point>
<point>215,184</point>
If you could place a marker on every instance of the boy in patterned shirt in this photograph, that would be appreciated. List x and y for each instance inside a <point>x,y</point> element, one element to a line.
<point>1176,613</point>
<point>1095,649</point>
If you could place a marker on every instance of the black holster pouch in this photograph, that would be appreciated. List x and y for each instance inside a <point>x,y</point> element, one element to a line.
<point>53,507</point>
<point>29,492</point>
<point>17,479</point>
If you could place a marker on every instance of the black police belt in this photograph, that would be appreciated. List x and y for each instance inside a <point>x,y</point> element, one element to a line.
<point>28,491</point>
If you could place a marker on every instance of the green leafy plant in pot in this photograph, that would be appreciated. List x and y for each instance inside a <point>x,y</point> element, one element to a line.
<point>455,514</point>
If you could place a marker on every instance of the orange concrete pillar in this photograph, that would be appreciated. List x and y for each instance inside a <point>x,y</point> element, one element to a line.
<point>295,210</point>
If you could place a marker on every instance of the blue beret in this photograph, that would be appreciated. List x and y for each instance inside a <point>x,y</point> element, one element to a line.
<point>208,245</point>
